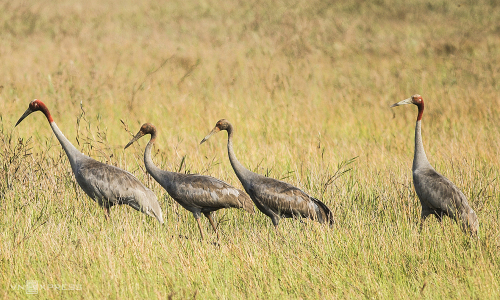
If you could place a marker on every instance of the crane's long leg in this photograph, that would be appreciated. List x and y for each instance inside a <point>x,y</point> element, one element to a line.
<point>106,213</point>
<point>422,219</point>
<point>209,216</point>
<point>275,219</point>
<point>425,213</point>
<point>199,227</point>
<point>439,216</point>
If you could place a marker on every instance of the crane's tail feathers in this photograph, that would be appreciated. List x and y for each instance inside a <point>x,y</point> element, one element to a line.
<point>470,223</point>
<point>247,204</point>
<point>327,213</point>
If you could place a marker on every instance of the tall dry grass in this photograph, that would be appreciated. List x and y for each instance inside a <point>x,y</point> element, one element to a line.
<point>307,86</point>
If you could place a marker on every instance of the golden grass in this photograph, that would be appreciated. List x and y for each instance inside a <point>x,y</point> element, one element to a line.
<point>307,86</point>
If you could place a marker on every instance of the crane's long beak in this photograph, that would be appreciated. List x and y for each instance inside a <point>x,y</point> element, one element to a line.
<point>136,137</point>
<point>215,130</point>
<point>405,101</point>
<point>26,113</point>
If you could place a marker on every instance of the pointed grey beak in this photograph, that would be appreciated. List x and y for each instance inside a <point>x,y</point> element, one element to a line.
<point>136,137</point>
<point>215,130</point>
<point>405,101</point>
<point>26,113</point>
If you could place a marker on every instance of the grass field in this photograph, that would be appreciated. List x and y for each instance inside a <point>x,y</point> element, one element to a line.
<point>307,86</point>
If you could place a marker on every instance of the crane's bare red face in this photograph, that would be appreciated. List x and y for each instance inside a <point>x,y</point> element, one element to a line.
<point>147,128</point>
<point>417,99</point>
<point>35,105</point>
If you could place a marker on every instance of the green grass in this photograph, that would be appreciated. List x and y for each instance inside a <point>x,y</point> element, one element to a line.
<point>307,86</point>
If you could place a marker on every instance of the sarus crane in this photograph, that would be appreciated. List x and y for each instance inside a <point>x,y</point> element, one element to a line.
<point>273,197</point>
<point>105,184</point>
<point>438,195</point>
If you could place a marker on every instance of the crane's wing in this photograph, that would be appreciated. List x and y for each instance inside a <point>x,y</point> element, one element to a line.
<point>438,193</point>
<point>207,192</point>
<point>110,185</point>
<point>283,198</point>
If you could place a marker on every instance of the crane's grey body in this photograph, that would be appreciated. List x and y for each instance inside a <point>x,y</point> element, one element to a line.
<point>105,184</point>
<point>196,193</point>
<point>109,185</point>
<point>277,199</point>
<point>273,197</point>
<point>200,194</point>
<point>438,195</point>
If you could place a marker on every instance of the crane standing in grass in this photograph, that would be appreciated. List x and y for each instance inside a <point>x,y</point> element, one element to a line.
<point>273,197</point>
<point>196,193</point>
<point>438,195</point>
<point>105,184</point>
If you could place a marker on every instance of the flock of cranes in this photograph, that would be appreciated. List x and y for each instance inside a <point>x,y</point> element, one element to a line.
<point>109,185</point>
<point>196,193</point>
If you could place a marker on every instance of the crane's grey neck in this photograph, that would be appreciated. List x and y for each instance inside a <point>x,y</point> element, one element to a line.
<point>71,151</point>
<point>242,172</point>
<point>157,173</point>
<point>419,159</point>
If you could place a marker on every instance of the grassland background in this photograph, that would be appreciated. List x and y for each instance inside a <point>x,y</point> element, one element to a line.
<point>307,86</point>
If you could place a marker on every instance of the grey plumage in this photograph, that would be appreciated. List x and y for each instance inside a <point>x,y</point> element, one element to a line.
<point>273,197</point>
<point>105,184</point>
<point>438,195</point>
<point>196,193</point>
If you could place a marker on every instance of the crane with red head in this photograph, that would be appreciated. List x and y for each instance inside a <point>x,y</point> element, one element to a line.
<point>438,195</point>
<point>107,185</point>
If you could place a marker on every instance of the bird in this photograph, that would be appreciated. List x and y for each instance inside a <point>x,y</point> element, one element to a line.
<point>274,198</point>
<point>438,195</point>
<point>196,193</point>
<point>107,185</point>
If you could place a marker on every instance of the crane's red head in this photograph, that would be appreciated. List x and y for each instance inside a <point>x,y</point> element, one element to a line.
<point>415,99</point>
<point>36,105</point>
<point>146,128</point>
<point>222,124</point>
